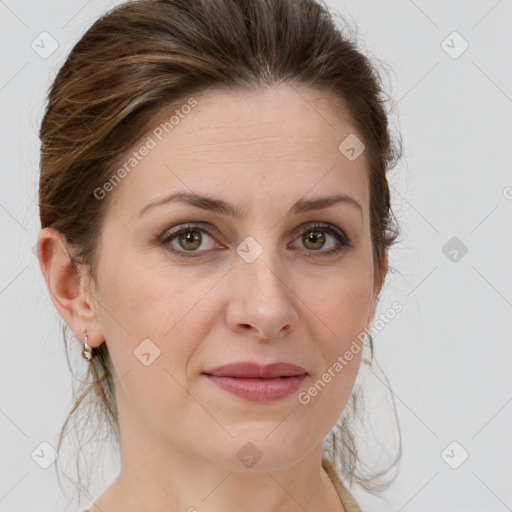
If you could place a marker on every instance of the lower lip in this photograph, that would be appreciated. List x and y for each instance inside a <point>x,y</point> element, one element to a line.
<point>259,390</point>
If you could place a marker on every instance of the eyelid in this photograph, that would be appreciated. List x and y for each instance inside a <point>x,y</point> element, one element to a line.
<point>322,226</point>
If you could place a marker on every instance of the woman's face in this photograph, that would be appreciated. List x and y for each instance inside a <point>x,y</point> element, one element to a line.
<point>252,278</point>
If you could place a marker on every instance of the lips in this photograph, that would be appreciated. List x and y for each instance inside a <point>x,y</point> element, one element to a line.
<point>254,370</point>
<point>257,383</point>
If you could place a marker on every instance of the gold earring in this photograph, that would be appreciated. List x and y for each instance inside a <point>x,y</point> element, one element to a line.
<point>87,352</point>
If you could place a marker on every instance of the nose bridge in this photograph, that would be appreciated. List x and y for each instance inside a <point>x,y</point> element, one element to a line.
<point>259,266</point>
<point>263,298</point>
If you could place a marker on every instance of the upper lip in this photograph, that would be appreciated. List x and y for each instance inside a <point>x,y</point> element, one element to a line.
<point>254,370</point>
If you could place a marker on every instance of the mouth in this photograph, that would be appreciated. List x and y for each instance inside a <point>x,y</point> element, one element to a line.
<point>257,383</point>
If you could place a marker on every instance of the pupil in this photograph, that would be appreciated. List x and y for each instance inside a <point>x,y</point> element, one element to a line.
<point>189,238</point>
<point>314,237</point>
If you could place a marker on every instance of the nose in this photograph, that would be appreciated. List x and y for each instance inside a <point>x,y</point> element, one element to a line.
<point>261,303</point>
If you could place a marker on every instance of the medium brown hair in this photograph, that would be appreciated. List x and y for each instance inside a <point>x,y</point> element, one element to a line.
<point>144,57</point>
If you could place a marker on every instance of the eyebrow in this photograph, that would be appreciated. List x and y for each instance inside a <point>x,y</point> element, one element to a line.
<point>225,208</point>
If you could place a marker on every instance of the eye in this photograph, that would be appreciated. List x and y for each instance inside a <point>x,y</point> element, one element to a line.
<point>187,239</point>
<point>316,237</point>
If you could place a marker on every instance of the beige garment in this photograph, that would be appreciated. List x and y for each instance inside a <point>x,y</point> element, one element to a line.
<point>346,498</point>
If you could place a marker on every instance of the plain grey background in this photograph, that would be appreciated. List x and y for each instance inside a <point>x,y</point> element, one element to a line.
<point>447,355</point>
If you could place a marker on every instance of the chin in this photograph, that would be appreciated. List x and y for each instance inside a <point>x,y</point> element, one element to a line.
<point>267,446</point>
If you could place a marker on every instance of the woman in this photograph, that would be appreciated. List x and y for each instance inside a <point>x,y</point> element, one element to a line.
<point>215,225</point>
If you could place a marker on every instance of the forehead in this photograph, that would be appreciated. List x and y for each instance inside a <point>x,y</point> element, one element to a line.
<point>272,117</point>
<point>284,140</point>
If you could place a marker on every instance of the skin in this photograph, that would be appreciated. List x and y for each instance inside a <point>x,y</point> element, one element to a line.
<point>180,433</point>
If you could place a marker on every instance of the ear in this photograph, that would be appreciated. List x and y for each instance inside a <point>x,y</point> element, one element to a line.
<point>70,288</point>
<point>379,281</point>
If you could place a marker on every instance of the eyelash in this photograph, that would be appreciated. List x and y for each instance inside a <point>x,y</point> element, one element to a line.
<point>316,227</point>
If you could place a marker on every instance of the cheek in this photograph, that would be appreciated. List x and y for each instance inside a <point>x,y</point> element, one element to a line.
<point>337,326</point>
<point>341,308</point>
<point>144,304</point>
<point>163,307</point>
